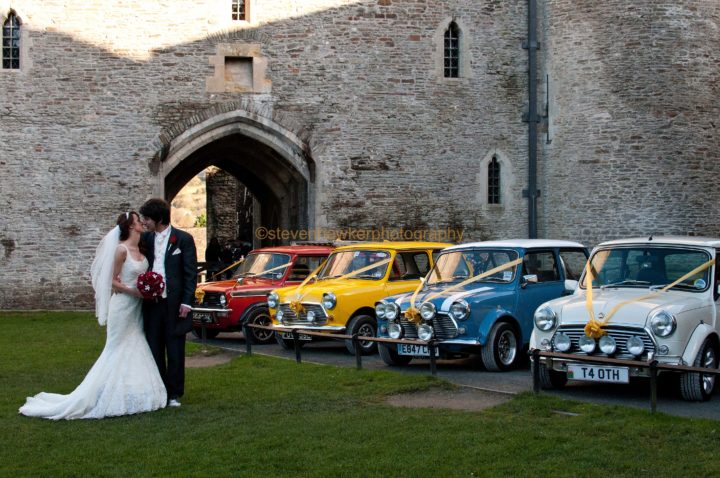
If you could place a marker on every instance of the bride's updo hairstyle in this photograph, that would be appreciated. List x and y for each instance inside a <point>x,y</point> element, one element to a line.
<point>124,221</point>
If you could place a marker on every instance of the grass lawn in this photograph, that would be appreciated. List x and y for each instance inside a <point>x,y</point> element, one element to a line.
<point>264,417</point>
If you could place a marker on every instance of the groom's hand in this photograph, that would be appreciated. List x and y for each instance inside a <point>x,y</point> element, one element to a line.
<point>184,310</point>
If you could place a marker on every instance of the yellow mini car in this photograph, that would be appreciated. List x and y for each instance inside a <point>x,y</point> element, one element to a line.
<point>341,298</point>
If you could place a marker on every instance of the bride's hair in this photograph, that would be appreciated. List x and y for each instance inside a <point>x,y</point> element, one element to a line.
<point>124,221</point>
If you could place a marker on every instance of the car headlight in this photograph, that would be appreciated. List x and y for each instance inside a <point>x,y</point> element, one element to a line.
<point>427,311</point>
<point>460,310</point>
<point>329,300</point>
<point>663,323</point>
<point>635,345</point>
<point>394,330</point>
<point>273,299</point>
<point>223,300</point>
<point>392,311</point>
<point>545,318</point>
<point>279,316</point>
<point>562,342</point>
<point>607,345</point>
<point>587,344</point>
<point>380,310</point>
<point>425,332</point>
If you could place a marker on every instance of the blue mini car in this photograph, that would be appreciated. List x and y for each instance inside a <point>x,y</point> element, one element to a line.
<point>480,299</point>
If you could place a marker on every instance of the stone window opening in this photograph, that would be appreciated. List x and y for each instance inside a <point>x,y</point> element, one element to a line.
<point>11,42</point>
<point>239,10</point>
<point>452,51</point>
<point>493,181</point>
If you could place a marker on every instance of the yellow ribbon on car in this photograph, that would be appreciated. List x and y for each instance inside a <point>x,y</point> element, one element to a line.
<point>593,328</point>
<point>228,267</point>
<point>296,305</point>
<point>413,314</point>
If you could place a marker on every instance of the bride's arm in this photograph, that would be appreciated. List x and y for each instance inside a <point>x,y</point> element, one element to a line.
<point>117,285</point>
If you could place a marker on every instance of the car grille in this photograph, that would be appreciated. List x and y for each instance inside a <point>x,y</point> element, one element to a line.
<point>443,326</point>
<point>291,318</point>
<point>211,300</point>
<point>621,336</point>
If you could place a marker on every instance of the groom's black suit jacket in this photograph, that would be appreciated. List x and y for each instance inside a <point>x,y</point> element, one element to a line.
<point>180,273</point>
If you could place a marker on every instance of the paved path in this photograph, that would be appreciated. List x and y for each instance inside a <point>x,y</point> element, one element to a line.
<point>470,373</point>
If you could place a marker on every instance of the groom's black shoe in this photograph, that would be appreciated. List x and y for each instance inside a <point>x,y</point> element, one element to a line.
<point>173,402</point>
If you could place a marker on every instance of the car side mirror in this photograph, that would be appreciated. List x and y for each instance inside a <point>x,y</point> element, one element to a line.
<point>528,279</point>
<point>570,286</point>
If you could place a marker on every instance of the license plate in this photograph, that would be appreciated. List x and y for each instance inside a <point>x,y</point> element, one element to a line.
<point>415,350</point>
<point>203,317</point>
<point>289,336</point>
<point>598,373</point>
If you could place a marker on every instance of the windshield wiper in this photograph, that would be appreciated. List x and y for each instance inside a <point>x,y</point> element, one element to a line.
<point>681,285</point>
<point>625,282</point>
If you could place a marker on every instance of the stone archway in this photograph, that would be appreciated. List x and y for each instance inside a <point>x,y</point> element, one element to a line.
<point>270,160</point>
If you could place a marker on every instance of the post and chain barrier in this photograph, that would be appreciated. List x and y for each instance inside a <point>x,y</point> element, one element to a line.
<point>355,339</point>
<point>653,365</point>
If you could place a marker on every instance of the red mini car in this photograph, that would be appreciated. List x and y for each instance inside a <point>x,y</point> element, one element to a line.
<point>224,306</point>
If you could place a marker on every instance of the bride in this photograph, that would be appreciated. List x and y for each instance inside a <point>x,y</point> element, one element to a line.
<point>125,379</point>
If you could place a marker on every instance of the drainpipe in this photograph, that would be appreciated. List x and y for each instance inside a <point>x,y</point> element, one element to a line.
<point>532,192</point>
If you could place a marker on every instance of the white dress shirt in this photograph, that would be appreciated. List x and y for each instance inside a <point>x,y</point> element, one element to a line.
<point>161,243</point>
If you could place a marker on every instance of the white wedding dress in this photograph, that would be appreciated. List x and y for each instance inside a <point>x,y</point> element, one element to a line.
<point>124,380</point>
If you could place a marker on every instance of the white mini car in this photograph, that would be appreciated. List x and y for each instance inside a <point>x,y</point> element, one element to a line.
<point>651,298</point>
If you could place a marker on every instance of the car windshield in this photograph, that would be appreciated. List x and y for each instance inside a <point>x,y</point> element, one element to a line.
<point>265,265</point>
<point>653,267</point>
<point>350,262</point>
<point>456,266</point>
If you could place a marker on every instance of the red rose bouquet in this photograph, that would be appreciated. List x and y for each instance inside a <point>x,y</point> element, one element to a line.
<point>150,284</point>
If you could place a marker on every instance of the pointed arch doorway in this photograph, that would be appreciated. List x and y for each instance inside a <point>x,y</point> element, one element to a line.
<point>269,160</point>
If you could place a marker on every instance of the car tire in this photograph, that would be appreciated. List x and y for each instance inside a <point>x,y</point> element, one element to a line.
<point>550,379</point>
<point>698,387</point>
<point>209,333</point>
<point>260,316</point>
<point>502,348</point>
<point>365,326</point>
<point>286,344</point>
<point>391,357</point>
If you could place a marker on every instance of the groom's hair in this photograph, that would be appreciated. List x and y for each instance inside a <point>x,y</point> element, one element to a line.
<point>156,209</point>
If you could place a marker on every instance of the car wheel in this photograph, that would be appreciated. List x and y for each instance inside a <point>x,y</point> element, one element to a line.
<point>391,357</point>
<point>260,316</point>
<point>550,379</point>
<point>698,387</point>
<point>501,350</point>
<point>209,333</point>
<point>287,344</point>
<point>364,326</point>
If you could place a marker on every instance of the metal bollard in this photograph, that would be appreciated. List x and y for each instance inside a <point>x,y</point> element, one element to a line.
<point>296,342</point>
<point>433,362</point>
<point>536,370</point>
<point>653,386</point>
<point>358,353</point>
<point>248,340</point>
<point>203,339</point>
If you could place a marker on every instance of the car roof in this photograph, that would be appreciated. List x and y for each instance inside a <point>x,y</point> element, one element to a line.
<point>296,249</point>
<point>666,240</point>
<point>394,245</point>
<point>517,243</point>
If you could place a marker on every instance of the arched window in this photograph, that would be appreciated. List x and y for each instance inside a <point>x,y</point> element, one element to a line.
<point>452,51</point>
<point>11,43</point>
<point>494,181</point>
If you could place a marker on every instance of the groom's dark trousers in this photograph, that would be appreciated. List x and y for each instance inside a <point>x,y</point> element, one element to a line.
<point>164,329</point>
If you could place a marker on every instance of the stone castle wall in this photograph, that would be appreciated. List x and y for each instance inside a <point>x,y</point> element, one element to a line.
<point>394,143</point>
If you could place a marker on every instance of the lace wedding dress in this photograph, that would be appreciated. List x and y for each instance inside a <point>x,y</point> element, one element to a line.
<point>124,380</point>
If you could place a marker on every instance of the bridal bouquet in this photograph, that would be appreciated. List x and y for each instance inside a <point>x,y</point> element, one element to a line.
<point>150,284</point>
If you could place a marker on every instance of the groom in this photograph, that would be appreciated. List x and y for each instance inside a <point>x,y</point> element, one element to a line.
<point>171,253</point>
